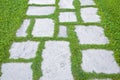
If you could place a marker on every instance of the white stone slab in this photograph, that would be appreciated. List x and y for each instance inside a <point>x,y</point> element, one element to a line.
<point>43,28</point>
<point>56,63</point>
<point>67,17</point>
<point>62,31</point>
<point>91,35</point>
<point>16,71</point>
<point>99,61</point>
<point>101,79</point>
<point>23,49</point>
<point>90,15</point>
<point>66,4</point>
<point>21,32</point>
<point>41,2</point>
<point>87,2</point>
<point>40,11</point>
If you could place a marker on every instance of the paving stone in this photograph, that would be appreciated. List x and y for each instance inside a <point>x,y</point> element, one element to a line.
<point>16,71</point>
<point>62,31</point>
<point>40,11</point>
<point>56,63</point>
<point>87,2</point>
<point>21,32</point>
<point>90,15</point>
<point>101,79</point>
<point>24,50</point>
<point>67,17</point>
<point>99,61</point>
<point>91,35</point>
<point>41,1</point>
<point>66,4</point>
<point>43,28</point>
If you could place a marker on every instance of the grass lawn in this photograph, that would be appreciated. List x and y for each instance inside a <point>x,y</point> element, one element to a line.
<point>13,12</point>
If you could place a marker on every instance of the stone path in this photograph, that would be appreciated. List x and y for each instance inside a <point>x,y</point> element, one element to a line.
<point>56,54</point>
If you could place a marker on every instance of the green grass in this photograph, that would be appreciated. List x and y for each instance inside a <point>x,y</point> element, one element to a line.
<point>110,14</point>
<point>13,12</point>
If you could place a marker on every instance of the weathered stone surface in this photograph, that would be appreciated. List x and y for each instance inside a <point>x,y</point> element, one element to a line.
<point>99,61</point>
<point>56,63</point>
<point>87,2</point>
<point>24,50</point>
<point>40,11</point>
<point>21,32</point>
<point>41,1</point>
<point>101,79</point>
<point>16,71</point>
<point>90,15</point>
<point>67,17</point>
<point>43,28</point>
<point>62,31</point>
<point>91,35</point>
<point>66,4</point>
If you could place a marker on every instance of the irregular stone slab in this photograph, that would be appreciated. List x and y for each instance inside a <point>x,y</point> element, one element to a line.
<point>16,71</point>
<point>40,11</point>
<point>23,49</point>
<point>90,15</point>
<point>56,63</point>
<point>41,1</point>
<point>21,32</point>
<point>87,2</point>
<point>91,35</point>
<point>62,31</point>
<point>43,28</point>
<point>99,61</point>
<point>101,79</point>
<point>67,17</point>
<point>67,4</point>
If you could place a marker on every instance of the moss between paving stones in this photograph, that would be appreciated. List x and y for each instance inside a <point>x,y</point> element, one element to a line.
<point>14,12</point>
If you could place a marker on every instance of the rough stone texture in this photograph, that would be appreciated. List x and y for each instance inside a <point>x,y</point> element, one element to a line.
<point>40,11</point>
<point>16,71</point>
<point>56,63</point>
<point>62,31</point>
<point>43,28</point>
<point>67,4</point>
<point>21,32</point>
<point>101,79</point>
<point>23,49</point>
<point>41,1</point>
<point>90,15</point>
<point>87,2</point>
<point>67,17</point>
<point>91,35</point>
<point>99,61</point>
